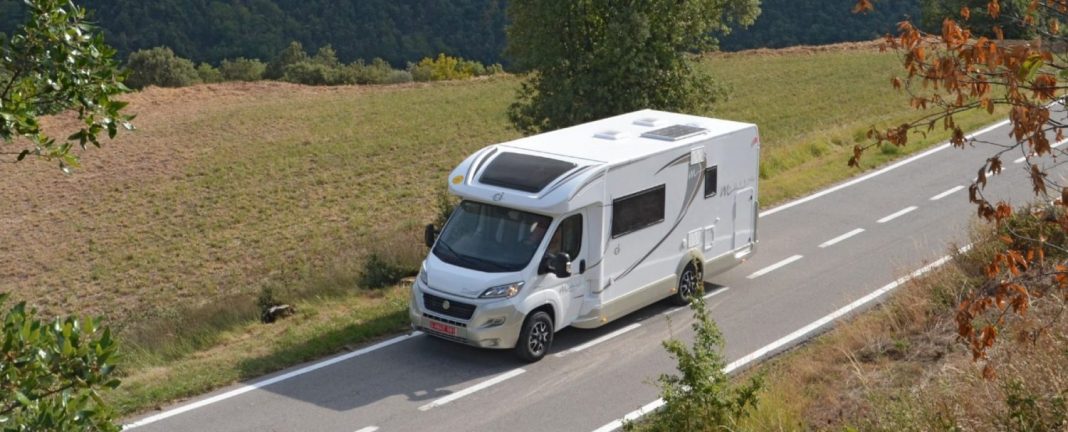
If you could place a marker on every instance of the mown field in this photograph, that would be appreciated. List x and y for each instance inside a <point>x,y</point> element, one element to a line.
<point>172,231</point>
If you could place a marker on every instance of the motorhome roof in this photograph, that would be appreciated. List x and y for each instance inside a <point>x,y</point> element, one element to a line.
<point>625,137</point>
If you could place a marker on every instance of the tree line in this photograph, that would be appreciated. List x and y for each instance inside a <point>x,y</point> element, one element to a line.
<point>402,31</point>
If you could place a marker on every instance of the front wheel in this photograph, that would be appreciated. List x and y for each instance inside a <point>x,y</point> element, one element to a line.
<point>688,281</point>
<point>535,338</point>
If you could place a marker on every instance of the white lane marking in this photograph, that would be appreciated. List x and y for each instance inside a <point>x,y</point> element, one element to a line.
<point>947,193</point>
<point>267,382</point>
<point>799,333</point>
<point>773,267</point>
<point>467,391</point>
<point>898,214</point>
<point>599,340</point>
<point>1055,145</point>
<point>835,240</point>
<point>631,416</point>
<point>707,296</point>
<point>368,429</point>
<point>717,292</point>
<point>876,173</point>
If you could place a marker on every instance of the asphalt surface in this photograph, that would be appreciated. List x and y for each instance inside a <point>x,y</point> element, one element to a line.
<point>594,377</point>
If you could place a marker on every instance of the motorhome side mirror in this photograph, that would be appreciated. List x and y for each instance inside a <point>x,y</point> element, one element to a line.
<point>429,235</point>
<point>559,264</point>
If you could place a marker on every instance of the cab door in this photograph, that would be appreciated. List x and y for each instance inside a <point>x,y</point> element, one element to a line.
<point>570,238</point>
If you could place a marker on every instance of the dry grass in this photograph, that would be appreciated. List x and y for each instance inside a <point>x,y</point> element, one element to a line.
<point>901,368</point>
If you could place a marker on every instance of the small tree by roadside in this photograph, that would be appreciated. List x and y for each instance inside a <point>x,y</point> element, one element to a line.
<point>701,397</point>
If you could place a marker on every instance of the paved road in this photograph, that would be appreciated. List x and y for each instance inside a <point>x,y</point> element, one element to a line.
<point>817,257</point>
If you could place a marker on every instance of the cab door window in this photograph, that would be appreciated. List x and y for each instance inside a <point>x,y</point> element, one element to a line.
<point>568,237</point>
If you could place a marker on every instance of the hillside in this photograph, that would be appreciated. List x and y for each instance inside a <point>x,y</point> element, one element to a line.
<point>407,30</point>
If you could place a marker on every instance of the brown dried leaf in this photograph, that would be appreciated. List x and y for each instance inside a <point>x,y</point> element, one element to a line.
<point>1038,180</point>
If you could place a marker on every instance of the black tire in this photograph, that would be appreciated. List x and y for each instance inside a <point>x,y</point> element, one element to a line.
<point>536,337</point>
<point>687,288</point>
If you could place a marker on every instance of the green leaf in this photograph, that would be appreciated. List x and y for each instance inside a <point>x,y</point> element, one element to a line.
<point>25,401</point>
<point>1030,67</point>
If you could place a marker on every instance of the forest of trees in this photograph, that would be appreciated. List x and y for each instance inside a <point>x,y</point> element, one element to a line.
<point>784,23</point>
<point>402,31</point>
<point>398,31</point>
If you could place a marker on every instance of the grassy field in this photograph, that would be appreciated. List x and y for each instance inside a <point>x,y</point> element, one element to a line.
<point>172,231</point>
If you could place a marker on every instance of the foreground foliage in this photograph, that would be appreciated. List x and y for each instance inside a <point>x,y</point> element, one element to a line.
<point>51,373</point>
<point>958,71</point>
<point>701,397</point>
<point>57,62</point>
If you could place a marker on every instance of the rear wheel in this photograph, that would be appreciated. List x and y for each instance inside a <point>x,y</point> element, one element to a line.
<point>536,337</point>
<point>687,288</point>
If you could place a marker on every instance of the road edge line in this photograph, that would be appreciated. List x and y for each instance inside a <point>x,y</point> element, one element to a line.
<point>797,334</point>
<point>264,383</point>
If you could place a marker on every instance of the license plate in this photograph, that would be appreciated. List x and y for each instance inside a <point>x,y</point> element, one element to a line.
<point>444,328</point>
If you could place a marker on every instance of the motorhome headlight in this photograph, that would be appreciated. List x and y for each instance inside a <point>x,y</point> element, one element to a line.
<point>423,277</point>
<point>503,291</point>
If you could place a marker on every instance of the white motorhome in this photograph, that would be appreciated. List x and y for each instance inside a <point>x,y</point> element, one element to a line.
<point>583,225</point>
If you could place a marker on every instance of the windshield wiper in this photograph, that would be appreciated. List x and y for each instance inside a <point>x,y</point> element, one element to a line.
<point>464,258</point>
<point>470,260</point>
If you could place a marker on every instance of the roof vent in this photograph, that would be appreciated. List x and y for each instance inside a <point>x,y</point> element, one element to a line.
<point>612,135</point>
<point>648,122</point>
<point>675,133</point>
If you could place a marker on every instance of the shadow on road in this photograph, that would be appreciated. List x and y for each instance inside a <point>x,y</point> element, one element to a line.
<point>424,368</point>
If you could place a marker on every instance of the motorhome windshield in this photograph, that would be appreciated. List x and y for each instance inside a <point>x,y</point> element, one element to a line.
<point>490,238</point>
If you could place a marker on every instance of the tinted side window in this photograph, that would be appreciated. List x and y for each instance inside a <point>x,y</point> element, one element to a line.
<point>637,211</point>
<point>710,181</point>
<point>568,237</point>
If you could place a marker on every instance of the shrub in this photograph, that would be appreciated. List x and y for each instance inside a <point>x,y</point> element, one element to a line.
<point>702,397</point>
<point>242,69</point>
<point>378,72</point>
<point>326,56</point>
<point>208,73</point>
<point>441,68</point>
<point>379,272</point>
<point>311,73</point>
<point>445,205</point>
<point>398,77</point>
<point>292,54</point>
<point>159,67</point>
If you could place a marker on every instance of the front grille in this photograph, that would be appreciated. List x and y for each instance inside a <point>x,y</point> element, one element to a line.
<point>456,309</point>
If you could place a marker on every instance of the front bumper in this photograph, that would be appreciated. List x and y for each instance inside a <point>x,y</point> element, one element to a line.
<point>479,330</point>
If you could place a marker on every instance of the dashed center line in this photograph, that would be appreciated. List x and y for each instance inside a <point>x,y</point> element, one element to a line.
<point>467,391</point>
<point>831,242</point>
<point>946,193</point>
<point>707,296</point>
<point>599,340</point>
<point>897,215</point>
<point>368,429</point>
<point>773,267</point>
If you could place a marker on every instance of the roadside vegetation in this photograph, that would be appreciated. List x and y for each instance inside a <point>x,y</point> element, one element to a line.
<point>226,189</point>
<point>901,367</point>
<point>161,67</point>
